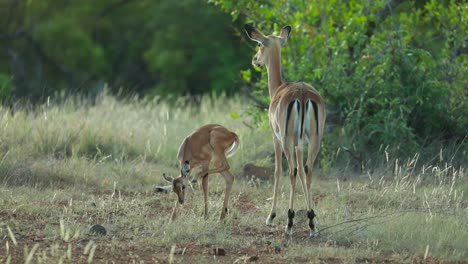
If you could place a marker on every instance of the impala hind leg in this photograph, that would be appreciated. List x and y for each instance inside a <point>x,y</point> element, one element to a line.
<point>314,146</point>
<point>219,146</point>
<point>205,194</point>
<point>220,162</point>
<point>229,178</point>
<point>292,177</point>
<point>278,172</point>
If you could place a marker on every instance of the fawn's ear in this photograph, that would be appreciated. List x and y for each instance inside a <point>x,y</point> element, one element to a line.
<point>164,189</point>
<point>284,34</point>
<point>168,178</point>
<point>255,34</point>
<point>185,171</point>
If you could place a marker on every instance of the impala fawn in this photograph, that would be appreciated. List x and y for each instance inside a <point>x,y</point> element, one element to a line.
<point>209,144</point>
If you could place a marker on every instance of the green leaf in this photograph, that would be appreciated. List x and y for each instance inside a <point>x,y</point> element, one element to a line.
<point>246,75</point>
<point>234,115</point>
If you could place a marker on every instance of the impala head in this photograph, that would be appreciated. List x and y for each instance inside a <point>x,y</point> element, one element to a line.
<point>178,184</point>
<point>268,44</point>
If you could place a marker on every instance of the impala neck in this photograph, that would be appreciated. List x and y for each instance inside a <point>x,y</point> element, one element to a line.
<point>274,71</point>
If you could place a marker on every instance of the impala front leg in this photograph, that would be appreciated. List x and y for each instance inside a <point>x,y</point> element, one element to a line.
<point>278,172</point>
<point>174,211</point>
<point>203,172</point>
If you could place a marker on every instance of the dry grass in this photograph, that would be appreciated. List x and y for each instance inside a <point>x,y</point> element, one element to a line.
<point>66,167</point>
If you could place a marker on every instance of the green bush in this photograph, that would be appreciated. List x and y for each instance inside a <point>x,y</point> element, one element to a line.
<point>390,77</point>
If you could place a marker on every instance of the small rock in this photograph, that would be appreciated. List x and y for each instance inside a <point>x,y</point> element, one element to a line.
<point>253,258</point>
<point>98,230</point>
<point>218,251</point>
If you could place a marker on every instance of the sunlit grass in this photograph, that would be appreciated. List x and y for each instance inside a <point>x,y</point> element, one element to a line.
<point>84,139</point>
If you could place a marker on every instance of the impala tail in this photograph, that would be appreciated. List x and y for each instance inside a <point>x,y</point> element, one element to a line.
<point>308,127</point>
<point>235,145</point>
<point>292,118</point>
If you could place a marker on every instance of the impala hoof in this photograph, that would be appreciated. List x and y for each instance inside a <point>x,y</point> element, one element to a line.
<point>313,234</point>
<point>269,220</point>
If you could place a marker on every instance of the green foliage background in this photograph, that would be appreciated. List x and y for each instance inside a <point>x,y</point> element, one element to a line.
<point>392,72</point>
<point>146,47</point>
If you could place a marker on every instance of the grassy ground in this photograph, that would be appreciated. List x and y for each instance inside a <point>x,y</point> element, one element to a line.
<point>65,167</point>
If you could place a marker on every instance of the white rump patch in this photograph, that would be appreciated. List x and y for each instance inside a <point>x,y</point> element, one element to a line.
<point>297,123</point>
<point>306,128</point>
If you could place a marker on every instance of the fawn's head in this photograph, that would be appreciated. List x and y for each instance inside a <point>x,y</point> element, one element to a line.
<point>269,45</point>
<point>178,183</point>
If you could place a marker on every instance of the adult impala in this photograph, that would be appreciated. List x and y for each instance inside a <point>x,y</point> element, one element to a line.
<point>208,144</point>
<point>297,118</point>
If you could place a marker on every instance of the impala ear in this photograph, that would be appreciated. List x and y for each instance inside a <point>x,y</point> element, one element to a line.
<point>255,34</point>
<point>284,34</point>
<point>185,169</point>
<point>168,178</point>
<point>164,189</point>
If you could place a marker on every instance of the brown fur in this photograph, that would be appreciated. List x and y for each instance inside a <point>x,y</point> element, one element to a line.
<point>287,124</point>
<point>207,145</point>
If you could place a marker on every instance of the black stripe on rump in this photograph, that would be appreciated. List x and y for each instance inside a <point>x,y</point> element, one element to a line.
<point>288,114</point>
<point>304,109</point>
<point>314,104</point>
